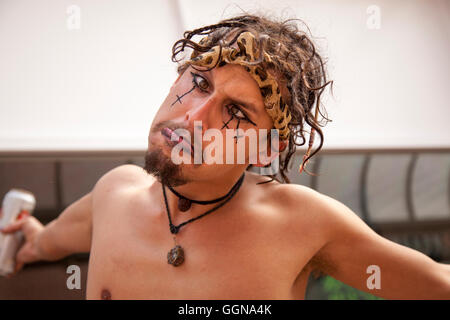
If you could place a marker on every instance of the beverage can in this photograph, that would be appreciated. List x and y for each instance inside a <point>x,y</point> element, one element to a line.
<point>17,204</point>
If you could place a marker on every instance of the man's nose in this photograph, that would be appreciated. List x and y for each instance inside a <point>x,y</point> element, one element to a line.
<point>201,112</point>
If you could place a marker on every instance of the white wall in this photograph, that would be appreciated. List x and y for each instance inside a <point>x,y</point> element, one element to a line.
<point>391,84</point>
<point>98,88</point>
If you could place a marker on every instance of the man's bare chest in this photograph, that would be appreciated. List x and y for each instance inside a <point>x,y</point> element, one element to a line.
<point>230,256</point>
<point>134,272</point>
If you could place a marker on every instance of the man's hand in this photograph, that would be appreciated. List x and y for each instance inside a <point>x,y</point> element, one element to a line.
<point>30,251</point>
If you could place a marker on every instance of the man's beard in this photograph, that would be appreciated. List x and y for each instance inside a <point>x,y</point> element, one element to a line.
<point>162,167</point>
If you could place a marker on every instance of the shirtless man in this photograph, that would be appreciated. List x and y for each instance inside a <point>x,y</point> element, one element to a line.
<point>265,241</point>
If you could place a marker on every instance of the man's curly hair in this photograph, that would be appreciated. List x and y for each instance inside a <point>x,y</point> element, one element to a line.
<point>296,63</point>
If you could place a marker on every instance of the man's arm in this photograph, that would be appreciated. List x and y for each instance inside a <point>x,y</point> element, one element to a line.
<point>352,247</point>
<point>71,232</point>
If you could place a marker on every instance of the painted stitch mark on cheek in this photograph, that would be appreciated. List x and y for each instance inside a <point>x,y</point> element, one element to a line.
<point>237,136</point>
<point>226,124</point>
<point>179,98</point>
<point>106,295</point>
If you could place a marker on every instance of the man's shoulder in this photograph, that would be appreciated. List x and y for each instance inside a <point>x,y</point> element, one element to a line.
<point>319,207</point>
<point>303,206</point>
<point>122,177</point>
<point>320,217</point>
<point>299,213</point>
<point>287,203</point>
<point>290,196</point>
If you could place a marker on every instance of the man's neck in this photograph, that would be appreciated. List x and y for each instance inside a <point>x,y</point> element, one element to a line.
<point>203,190</point>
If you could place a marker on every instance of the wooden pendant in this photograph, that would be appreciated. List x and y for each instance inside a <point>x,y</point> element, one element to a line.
<point>175,256</point>
<point>184,204</point>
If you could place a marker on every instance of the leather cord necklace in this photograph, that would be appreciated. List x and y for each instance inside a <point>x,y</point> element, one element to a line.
<point>175,256</point>
<point>184,203</point>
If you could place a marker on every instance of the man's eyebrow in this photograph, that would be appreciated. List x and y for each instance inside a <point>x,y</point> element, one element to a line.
<point>247,105</point>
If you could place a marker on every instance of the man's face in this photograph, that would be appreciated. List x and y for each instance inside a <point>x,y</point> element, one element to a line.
<point>224,98</point>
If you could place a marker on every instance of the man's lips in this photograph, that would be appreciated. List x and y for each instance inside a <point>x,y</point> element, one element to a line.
<point>169,133</point>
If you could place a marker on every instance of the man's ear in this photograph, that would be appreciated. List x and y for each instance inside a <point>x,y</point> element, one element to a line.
<point>264,160</point>
<point>283,145</point>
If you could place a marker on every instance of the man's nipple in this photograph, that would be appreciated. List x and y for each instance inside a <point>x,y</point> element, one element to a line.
<point>106,295</point>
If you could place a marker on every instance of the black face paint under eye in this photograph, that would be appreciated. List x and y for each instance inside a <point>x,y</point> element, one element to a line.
<point>237,136</point>
<point>226,124</point>
<point>239,119</point>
